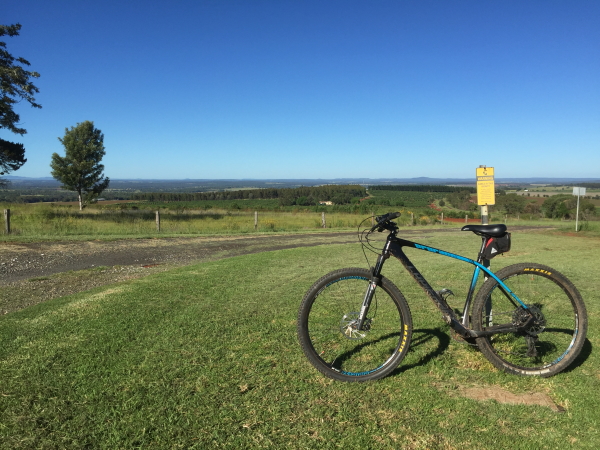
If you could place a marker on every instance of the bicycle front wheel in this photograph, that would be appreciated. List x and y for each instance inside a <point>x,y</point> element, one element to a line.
<point>552,327</point>
<point>331,341</point>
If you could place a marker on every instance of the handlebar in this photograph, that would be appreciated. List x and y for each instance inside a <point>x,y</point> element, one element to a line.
<point>383,222</point>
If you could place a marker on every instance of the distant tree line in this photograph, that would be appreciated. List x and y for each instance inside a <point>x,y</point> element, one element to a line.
<point>587,185</point>
<point>51,195</point>
<point>35,196</point>
<point>422,188</point>
<point>302,196</point>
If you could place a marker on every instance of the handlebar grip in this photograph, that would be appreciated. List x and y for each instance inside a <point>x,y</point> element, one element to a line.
<point>385,218</point>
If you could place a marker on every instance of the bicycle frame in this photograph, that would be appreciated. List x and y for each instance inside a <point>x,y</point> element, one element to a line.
<point>394,247</point>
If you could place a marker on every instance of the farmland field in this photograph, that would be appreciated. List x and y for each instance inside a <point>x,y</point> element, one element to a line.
<point>271,210</point>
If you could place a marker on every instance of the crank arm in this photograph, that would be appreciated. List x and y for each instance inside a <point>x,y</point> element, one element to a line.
<point>496,329</point>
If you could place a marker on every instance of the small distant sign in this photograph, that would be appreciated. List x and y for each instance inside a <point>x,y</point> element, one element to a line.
<point>579,191</point>
<point>485,186</point>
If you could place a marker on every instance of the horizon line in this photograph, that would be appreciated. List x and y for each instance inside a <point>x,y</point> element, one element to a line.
<point>388,179</point>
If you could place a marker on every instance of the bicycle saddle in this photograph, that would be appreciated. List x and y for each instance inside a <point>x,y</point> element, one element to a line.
<point>497,230</point>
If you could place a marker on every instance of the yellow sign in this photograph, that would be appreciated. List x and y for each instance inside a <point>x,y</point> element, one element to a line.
<point>485,186</point>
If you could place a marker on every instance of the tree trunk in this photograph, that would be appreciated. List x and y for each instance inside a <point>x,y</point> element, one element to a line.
<point>80,202</point>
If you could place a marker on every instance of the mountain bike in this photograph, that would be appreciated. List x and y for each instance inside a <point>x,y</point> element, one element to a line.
<point>526,319</point>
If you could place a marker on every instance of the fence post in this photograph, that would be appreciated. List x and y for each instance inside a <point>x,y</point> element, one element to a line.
<point>255,220</point>
<point>412,219</point>
<point>7,221</point>
<point>158,221</point>
<point>323,220</point>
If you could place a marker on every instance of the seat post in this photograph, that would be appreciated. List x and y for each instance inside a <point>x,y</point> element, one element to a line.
<point>480,258</point>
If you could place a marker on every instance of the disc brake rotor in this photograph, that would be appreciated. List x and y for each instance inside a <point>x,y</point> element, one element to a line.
<point>349,326</point>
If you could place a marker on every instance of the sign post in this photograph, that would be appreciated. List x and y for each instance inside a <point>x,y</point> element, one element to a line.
<point>485,191</point>
<point>578,191</point>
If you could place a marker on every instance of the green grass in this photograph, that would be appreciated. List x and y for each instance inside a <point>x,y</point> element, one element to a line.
<point>206,356</point>
<point>585,228</point>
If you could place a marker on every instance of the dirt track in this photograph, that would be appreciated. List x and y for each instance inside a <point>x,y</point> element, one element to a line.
<point>30,260</point>
<point>34,272</point>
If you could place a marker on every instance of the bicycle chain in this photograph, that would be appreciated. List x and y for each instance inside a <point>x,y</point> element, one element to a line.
<point>507,313</point>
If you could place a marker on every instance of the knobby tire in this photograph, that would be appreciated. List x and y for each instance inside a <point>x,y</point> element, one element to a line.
<point>547,345</point>
<point>327,336</point>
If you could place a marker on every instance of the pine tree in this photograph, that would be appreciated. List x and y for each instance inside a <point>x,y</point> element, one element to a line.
<point>80,169</point>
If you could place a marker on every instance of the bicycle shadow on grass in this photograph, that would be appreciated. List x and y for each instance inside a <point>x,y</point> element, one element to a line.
<point>421,337</point>
<point>424,336</point>
<point>428,335</point>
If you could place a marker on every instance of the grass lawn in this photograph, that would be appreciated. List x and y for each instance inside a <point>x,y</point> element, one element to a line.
<point>206,356</point>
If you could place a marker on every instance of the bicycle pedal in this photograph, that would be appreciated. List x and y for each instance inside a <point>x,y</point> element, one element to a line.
<point>445,293</point>
<point>462,340</point>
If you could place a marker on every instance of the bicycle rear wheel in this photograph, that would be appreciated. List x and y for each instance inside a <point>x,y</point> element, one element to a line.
<point>547,344</point>
<point>329,338</point>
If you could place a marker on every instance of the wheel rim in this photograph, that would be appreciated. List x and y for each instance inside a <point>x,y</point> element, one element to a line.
<point>334,337</point>
<point>550,336</point>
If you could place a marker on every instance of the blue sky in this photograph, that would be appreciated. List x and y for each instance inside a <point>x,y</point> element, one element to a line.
<point>315,89</point>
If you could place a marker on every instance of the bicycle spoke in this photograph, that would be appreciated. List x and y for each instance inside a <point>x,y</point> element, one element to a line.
<point>329,333</point>
<point>550,330</point>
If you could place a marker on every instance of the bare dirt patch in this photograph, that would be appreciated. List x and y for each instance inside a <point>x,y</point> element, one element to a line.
<point>504,396</point>
<point>500,395</point>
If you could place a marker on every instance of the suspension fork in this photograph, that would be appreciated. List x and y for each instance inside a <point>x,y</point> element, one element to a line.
<point>373,283</point>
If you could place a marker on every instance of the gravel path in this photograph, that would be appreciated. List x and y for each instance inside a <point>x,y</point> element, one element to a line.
<point>34,272</point>
<point>29,260</point>
<point>31,273</point>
